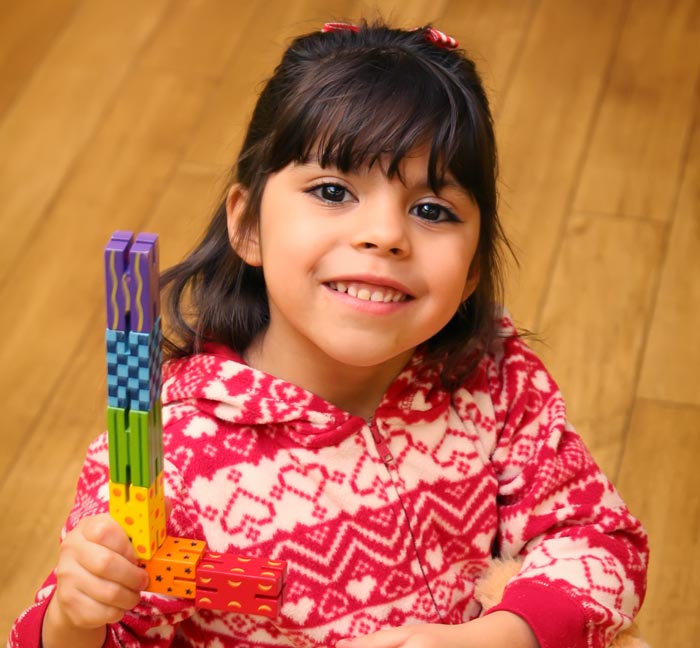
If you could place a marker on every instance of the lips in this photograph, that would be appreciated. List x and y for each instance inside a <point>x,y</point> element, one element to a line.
<point>368,291</point>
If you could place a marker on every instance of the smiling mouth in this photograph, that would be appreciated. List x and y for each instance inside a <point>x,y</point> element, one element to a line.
<point>368,292</point>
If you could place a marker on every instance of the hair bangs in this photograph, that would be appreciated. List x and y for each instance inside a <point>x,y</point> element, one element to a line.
<point>348,115</point>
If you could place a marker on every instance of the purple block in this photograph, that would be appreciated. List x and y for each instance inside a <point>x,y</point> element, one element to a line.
<point>132,283</point>
<point>116,280</point>
<point>144,283</point>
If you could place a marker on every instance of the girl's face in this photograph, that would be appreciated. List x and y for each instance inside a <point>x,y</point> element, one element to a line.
<point>360,269</point>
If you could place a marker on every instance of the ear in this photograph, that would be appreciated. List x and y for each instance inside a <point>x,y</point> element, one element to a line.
<point>246,244</point>
<point>472,280</point>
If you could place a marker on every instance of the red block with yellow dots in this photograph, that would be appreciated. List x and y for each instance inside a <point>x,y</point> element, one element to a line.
<point>240,584</point>
<point>140,510</point>
<point>172,569</point>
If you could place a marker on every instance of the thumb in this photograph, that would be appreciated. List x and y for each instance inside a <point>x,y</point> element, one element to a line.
<point>104,530</point>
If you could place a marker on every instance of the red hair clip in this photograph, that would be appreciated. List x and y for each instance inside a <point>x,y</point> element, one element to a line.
<point>339,26</point>
<point>441,39</point>
<point>432,35</point>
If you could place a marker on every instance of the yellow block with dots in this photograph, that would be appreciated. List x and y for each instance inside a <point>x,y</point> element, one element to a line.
<point>140,510</point>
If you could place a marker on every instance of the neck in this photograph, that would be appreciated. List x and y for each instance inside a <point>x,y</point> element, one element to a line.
<point>357,390</point>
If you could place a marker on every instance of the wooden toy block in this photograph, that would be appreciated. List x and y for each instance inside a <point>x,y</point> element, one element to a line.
<point>141,513</point>
<point>117,343</point>
<point>145,284</point>
<point>173,567</point>
<point>118,445</point>
<point>135,442</point>
<point>116,280</point>
<point>131,275</point>
<point>240,584</point>
<point>144,367</point>
<point>134,367</point>
<point>146,444</point>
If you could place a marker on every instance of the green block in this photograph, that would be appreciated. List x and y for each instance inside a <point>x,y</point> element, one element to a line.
<point>118,438</point>
<point>145,445</point>
<point>135,445</point>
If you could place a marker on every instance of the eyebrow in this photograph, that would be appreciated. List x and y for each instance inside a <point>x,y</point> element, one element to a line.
<point>454,185</point>
<point>448,181</point>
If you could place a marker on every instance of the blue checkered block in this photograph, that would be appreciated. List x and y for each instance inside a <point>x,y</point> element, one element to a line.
<point>117,368</point>
<point>134,368</point>
<point>145,360</point>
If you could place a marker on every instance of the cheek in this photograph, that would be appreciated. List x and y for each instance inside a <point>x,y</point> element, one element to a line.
<point>470,266</point>
<point>289,262</point>
<point>472,281</point>
<point>458,277</point>
<point>286,252</point>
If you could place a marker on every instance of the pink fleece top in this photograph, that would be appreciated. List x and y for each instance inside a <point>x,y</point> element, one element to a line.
<point>384,522</point>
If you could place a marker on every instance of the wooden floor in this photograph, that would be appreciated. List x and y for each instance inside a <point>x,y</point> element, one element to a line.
<point>124,114</point>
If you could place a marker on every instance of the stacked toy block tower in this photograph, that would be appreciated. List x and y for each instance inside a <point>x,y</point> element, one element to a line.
<point>176,566</point>
<point>136,498</point>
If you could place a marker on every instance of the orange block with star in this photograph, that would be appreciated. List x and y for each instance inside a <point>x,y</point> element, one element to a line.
<point>173,567</point>
<point>140,510</point>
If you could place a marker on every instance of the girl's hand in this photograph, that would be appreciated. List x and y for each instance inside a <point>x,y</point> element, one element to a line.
<point>98,581</point>
<point>497,630</point>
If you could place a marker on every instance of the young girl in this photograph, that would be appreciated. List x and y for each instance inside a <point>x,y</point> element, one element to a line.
<point>343,392</point>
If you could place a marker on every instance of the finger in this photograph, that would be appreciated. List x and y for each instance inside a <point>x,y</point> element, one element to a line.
<point>108,565</point>
<point>84,611</point>
<point>106,592</point>
<point>88,602</point>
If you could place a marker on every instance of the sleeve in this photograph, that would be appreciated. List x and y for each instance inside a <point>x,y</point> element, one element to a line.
<point>153,622</point>
<point>585,556</point>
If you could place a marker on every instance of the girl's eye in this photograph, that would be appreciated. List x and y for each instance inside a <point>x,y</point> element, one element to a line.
<point>331,192</point>
<point>434,213</point>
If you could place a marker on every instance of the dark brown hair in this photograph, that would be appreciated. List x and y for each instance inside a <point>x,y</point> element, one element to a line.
<point>347,99</point>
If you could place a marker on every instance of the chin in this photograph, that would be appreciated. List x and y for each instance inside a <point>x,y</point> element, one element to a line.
<point>369,358</point>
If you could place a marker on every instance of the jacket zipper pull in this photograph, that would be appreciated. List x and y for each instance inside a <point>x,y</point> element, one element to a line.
<point>380,443</point>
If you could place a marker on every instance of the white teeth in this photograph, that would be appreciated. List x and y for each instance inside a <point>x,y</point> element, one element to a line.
<point>385,295</point>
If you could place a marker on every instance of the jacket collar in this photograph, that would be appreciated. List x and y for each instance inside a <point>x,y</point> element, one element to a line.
<point>219,383</point>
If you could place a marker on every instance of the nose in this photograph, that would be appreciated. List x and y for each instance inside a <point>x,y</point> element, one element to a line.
<point>382,228</point>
